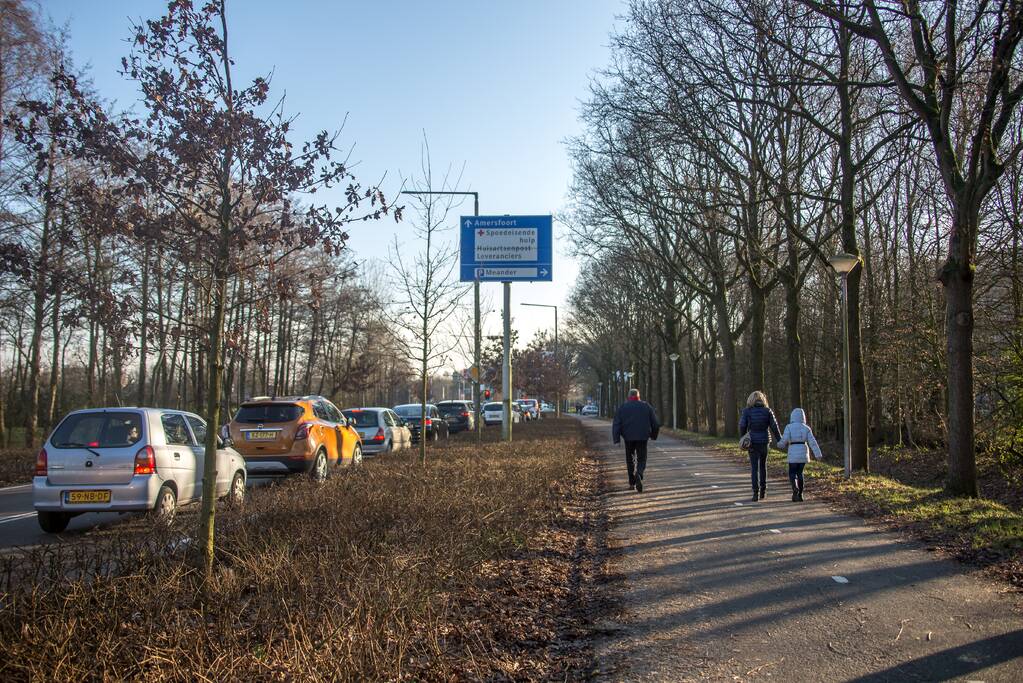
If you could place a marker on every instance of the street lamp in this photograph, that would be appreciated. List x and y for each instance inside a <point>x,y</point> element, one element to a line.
<point>843,265</point>
<point>600,399</point>
<point>557,358</point>
<point>476,307</point>
<point>674,396</point>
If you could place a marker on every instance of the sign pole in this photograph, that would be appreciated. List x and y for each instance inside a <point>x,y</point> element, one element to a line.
<point>506,375</point>
<point>476,345</point>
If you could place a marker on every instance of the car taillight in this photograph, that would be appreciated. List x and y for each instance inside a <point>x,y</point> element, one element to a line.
<point>465,414</point>
<point>145,461</point>
<point>41,463</point>
<point>428,421</point>
<point>303,431</point>
<point>380,434</point>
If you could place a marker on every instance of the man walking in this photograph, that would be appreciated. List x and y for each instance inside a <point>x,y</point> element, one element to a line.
<point>636,422</point>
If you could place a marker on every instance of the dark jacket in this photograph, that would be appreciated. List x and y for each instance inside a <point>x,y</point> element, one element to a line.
<point>635,421</point>
<point>757,420</point>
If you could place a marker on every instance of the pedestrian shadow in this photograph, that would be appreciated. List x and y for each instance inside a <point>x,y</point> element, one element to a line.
<point>953,662</point>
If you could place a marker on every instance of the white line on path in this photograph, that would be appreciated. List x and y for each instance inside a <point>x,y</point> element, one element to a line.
<point>714,486</point>
<point>15,518</point>
<point>12,489</point>
<point>775,531</point>
<point>738,504</point>
<point>839,579</point>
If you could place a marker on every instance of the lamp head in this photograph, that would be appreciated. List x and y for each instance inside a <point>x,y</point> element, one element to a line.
<point>674,357</point>
<point>843,263</point>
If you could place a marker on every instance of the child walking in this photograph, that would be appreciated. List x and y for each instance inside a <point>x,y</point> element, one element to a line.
<point>799,440</point>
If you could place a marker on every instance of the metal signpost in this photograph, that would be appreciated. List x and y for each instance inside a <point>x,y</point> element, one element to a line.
<point>506,249</point>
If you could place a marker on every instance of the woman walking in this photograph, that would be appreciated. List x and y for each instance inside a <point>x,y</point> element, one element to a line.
<point>757,420</point>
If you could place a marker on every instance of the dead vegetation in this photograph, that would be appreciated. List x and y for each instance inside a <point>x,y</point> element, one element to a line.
<point>474,567</point>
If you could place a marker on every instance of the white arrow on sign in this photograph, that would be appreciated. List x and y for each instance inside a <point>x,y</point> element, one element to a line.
<point>468,223</point>
<point>543,272</point>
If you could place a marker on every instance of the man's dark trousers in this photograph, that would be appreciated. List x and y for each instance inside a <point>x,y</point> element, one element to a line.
<point>635,459</point>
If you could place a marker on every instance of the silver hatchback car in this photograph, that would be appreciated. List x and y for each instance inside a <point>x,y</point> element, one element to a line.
<point>120,459</point>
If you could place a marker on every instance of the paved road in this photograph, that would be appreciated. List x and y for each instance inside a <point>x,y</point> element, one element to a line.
<point>18,525</point>
<point>716,587</point>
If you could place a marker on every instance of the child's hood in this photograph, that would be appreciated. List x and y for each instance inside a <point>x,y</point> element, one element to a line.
<point>798,416</point>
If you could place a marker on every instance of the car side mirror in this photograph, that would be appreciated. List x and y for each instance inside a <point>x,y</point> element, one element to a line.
<point>225,442</point>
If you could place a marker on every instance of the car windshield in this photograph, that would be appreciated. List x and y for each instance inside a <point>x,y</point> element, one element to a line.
<point>98,430</point>
<point>493,406</point>
<point>268,412</point>
<point>412,410</point>
<point>361,418</point>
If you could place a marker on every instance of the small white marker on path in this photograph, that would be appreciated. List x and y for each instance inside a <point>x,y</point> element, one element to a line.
<point>738,504</point>
<point>714,486</point>
<point>775,531</point>
<point>839,579</point>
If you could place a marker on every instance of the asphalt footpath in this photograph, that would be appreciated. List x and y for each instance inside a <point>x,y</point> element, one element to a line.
<point>717,587</point>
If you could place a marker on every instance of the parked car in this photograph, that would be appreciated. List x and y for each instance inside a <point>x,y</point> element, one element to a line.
<point>121,459</point>
<point>382,431</point>
<point>530,408</point>
<point>458,415</point>
<point>547,409</point>
<point>590,409</point>
<point>435,425</point>
<point>294,434</point>
<point>493,413</point>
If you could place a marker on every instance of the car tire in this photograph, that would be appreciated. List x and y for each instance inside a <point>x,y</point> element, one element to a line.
<point>53,522</point>
<point>166,505</point>
<point>236,494</point>
<point>318,470</point>
<point>435,436</point>
<point>357,455</point>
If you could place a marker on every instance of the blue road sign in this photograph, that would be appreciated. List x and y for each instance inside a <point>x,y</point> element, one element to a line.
<point>507,248</point>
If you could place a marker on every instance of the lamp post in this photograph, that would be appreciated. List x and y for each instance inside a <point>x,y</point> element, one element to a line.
<point>843,265</point>
<point>557,358</point>
<point>600,399</point>
<point>476,309</point>
<point>674,395</point>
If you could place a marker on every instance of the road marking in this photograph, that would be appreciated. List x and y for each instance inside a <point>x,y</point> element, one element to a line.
<point>12,489</point>
<point>775,531</point>
<point>714,486</point>
<point>839,579</point>
<point>738,504</point>
<point>15,518</point>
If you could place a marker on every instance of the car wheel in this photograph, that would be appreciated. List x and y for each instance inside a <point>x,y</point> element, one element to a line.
<point>166,505</point>
<point>53,522</point>
<point>434,436</point>
<point>357,455</point>
<point>236,494</point>
<point>318,471</point>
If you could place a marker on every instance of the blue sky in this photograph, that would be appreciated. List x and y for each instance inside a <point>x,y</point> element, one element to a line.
<point>495,85</point>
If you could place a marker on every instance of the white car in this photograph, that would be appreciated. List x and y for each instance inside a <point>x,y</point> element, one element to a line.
<point>493,413</point>
<point>530,408</point>
<point>590,410</point>
<point>119,459</point>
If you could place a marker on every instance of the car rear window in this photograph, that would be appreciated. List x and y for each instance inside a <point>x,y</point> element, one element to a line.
<point>98,430</point>
<point>268,412</point>
<point>494,406</point>
<point>451,409</point>
<point>362,418</point>
<point>411,410</point>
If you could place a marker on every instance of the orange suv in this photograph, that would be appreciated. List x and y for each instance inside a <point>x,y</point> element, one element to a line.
<point>293,434</point>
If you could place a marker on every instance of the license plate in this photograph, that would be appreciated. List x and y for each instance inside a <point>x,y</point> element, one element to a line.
<point>260,436</point>
<point>78,497</point>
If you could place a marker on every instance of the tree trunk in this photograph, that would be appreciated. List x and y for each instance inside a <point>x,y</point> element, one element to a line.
<point>957,278</point>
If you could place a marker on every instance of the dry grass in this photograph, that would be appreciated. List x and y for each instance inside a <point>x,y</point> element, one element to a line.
<point>478,566</point>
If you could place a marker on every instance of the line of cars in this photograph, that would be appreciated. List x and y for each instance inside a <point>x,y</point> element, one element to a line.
<point>130,459</point>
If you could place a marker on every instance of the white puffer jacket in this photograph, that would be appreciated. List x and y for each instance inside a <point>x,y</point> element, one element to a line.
<point>799,439</point>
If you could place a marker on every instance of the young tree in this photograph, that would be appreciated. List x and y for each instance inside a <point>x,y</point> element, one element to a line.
<point>429,292</point>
